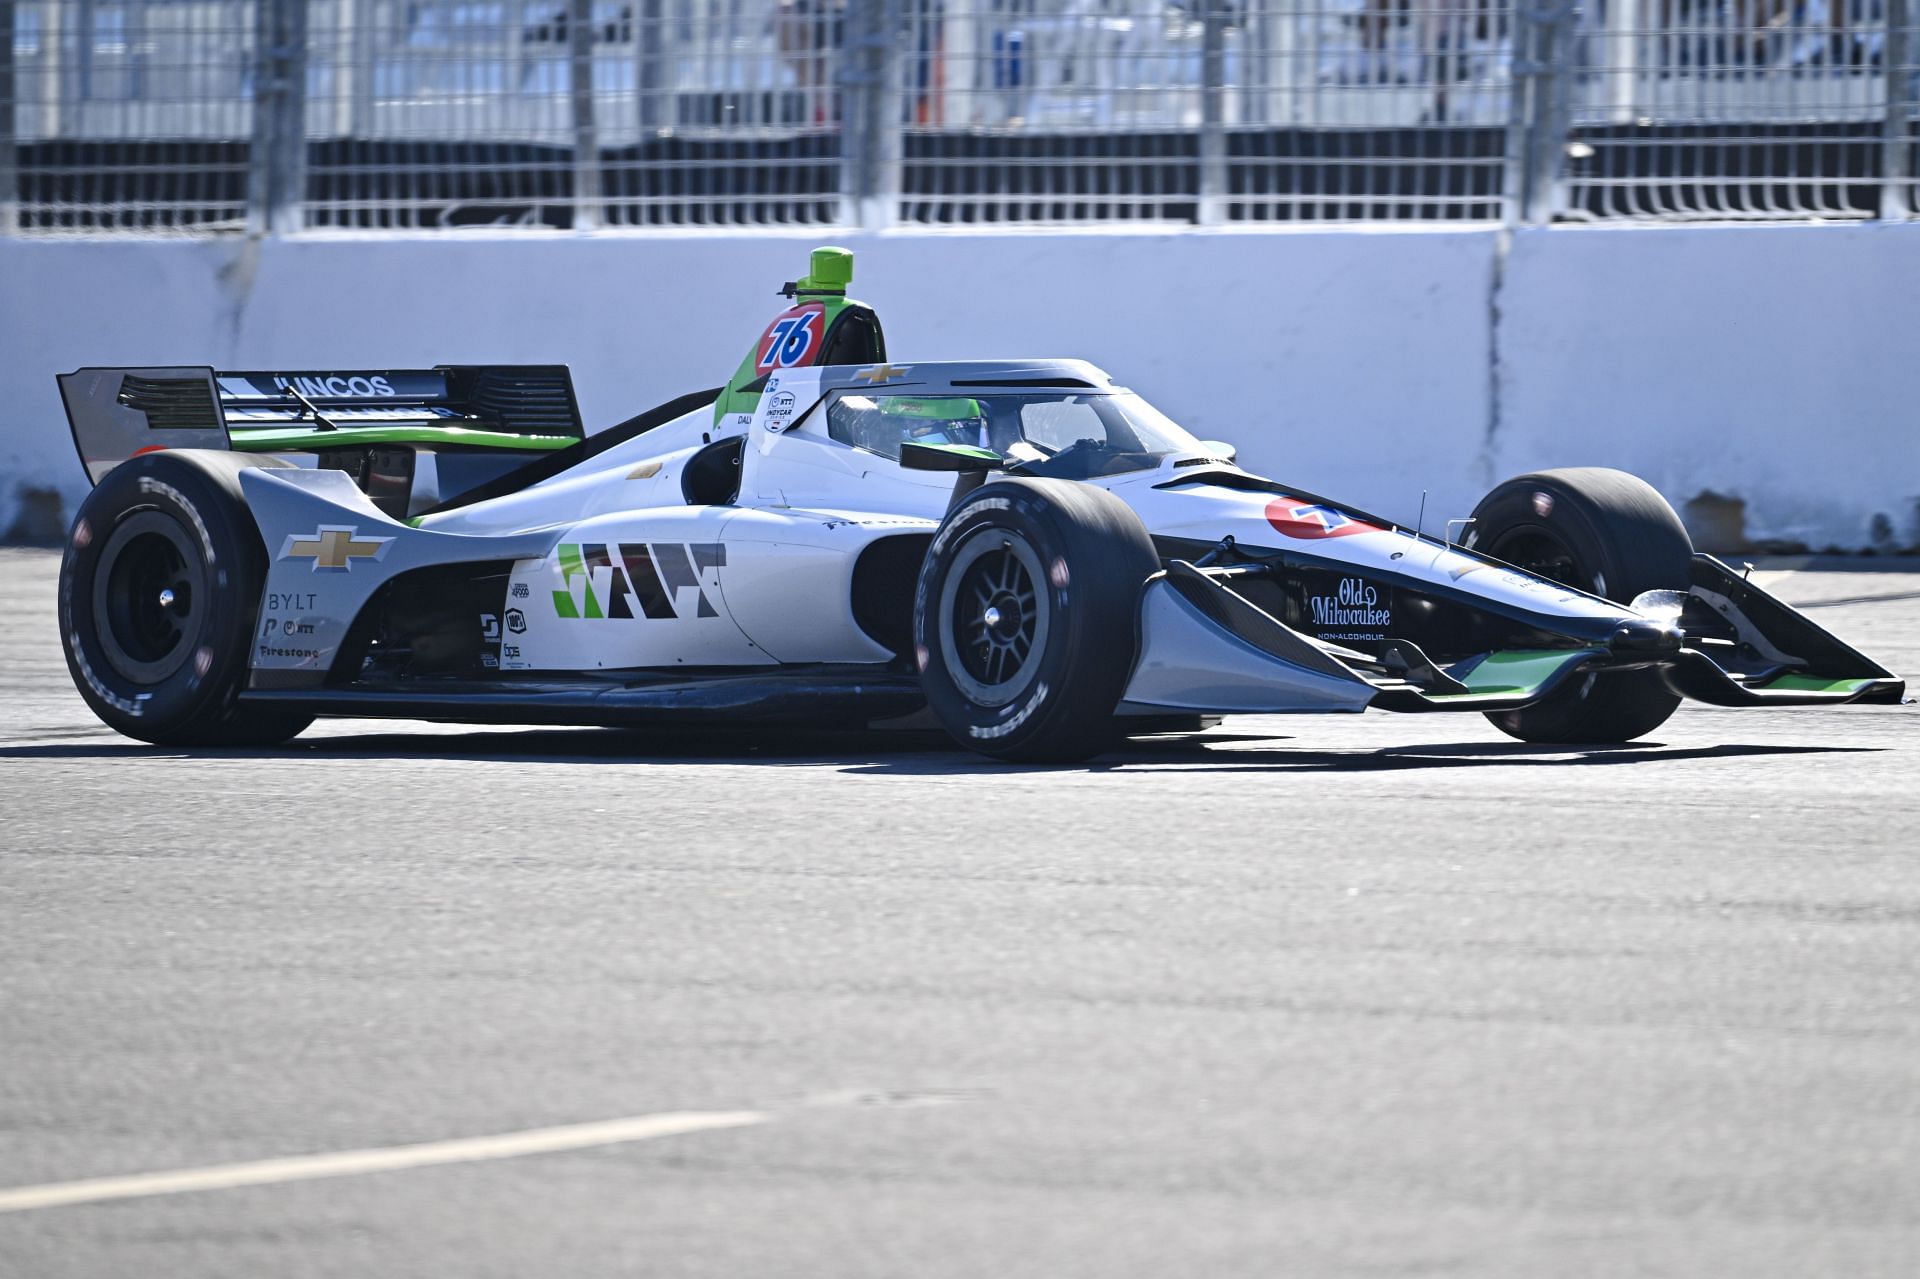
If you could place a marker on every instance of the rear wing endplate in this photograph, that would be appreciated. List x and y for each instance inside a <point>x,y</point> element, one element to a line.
<point>117,413</point>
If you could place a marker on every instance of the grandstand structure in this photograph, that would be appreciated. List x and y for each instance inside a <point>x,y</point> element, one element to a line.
<point>212,116</point>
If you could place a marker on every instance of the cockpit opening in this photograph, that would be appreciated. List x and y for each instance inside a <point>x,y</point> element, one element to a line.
<point>1068,435</point>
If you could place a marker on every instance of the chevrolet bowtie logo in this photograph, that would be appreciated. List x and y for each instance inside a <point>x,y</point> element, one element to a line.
<point>332,546</point>
<point>880,373</point>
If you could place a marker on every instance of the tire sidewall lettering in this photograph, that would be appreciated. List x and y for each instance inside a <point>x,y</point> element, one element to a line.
<point>1011,507</point>
<point>180,493</point>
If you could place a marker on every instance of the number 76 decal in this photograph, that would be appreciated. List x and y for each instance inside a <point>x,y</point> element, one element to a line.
<point>791,340</point>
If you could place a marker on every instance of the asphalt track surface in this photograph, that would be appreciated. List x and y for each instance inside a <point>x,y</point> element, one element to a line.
<point>1323,996</point>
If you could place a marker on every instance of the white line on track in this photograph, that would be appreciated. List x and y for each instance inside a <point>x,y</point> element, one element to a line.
<point>353,1163</point>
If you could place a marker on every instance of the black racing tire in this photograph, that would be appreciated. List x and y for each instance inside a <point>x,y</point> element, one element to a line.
<point>1605,532</point>
<point>1025,619</point>
<point>159,589</point>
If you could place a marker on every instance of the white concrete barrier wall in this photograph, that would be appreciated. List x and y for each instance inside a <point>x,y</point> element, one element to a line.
<point>1774,367</point>
<point>1768,366</point>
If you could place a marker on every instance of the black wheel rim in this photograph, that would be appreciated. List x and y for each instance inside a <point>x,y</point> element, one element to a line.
<point>994,617</point>
<point>149,597</point>
<point>1541,552</point>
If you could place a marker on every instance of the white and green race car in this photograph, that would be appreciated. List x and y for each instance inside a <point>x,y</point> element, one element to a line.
<point>1031,552</point>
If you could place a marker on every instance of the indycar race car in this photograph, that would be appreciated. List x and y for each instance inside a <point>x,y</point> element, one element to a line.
<point>1023,548</point>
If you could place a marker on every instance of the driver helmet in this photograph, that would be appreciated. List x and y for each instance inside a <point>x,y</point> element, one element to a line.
<point>938,419</point>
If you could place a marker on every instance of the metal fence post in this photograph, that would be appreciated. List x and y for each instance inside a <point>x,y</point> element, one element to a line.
<point>277,162</point>
<point>851,80</point>
<point>650,67</point>
<point>53,63</point>
<point>83,53</point>
<point>290,155</point>
<point>1896,189</point>
<point>586,135</point>
<point>352,70</point>
<point>265,96</point>
<point>887,154</point>
<point>872,119</point>
<point>1540,121</point>
<point>1622,38</point>
<point>1213,115</point>
<point>9,152</point>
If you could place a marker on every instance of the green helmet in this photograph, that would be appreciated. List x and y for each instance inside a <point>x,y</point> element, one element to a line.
<point>948,409</point>
<point>937,420</point>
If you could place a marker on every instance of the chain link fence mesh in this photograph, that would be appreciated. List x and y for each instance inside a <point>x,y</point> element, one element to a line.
<point>127,117</point>
<point>224,115</point>
<point>1741,109</point>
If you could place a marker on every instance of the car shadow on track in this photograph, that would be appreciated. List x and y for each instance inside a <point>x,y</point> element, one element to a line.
<point>1198,758</point>
<point>909,754</point>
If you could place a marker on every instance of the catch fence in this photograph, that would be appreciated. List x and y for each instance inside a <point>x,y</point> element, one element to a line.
<point>294,115</point>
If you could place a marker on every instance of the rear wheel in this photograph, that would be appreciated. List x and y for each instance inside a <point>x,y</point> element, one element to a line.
<point>158,591</point>
<point>1026,614</point>
<point>1601,531</point>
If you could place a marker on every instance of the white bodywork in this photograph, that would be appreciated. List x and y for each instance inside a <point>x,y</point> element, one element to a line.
<point>808,505</point>
<point>781,592</point>
<point>613,570</point>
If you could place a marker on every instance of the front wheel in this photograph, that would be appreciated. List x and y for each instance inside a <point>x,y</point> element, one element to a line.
<point>1026,616</point>
<point>1610,534</point>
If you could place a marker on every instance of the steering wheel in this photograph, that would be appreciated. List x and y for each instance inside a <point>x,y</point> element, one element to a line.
<point>1082,445</point>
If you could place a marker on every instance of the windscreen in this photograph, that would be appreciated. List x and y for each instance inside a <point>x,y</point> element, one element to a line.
<point>1067,434</point>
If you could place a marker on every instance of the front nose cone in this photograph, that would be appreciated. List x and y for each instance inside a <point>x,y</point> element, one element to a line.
<point>1646,635</point>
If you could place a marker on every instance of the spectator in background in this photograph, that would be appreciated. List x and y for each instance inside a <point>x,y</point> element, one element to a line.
<point>1461,40</point>
<point>808,33</point>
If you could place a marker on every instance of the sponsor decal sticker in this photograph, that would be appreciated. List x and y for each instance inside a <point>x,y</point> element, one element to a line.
<point>1308,521</point>
<point>338,388</point>
<point>516,621</point>
<point>607,580</point>
<point>1354,609</point>
<point>780,407</point>
<point>990,732</point>
<point>880,373</point>
<point>150,485</point>
<point>792,339</point>
<point>306,656</point>
<point>334,547</point>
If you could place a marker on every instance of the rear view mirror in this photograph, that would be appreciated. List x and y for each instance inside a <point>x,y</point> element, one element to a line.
<point>949,457</point>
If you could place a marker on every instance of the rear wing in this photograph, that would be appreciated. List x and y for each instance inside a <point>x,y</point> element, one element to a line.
<point>116,413</point>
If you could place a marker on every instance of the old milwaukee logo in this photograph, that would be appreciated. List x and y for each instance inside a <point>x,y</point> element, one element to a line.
<point>1356,604</point>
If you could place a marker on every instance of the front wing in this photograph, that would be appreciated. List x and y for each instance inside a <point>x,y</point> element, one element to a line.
<point>1205,647</point>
